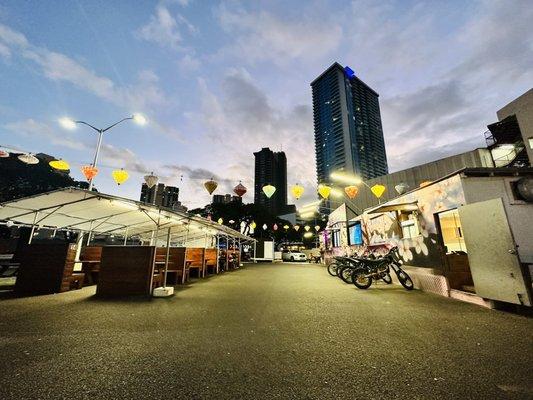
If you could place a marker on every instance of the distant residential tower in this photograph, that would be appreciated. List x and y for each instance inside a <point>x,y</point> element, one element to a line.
<point>271,169</point>
<point>347,122</point>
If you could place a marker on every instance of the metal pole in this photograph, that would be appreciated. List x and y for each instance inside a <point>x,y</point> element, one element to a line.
<point>126,237</point>
<point>32,228</point>
<point>166,259</point>
<point>95,160</point>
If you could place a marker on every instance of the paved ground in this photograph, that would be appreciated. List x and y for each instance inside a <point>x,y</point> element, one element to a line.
<point>266,332</point>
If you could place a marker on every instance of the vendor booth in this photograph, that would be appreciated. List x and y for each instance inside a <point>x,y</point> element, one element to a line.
<point>169,246</point>
<point>467,235</point>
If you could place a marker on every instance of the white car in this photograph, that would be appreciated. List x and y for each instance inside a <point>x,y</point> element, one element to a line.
<point>289,255</point>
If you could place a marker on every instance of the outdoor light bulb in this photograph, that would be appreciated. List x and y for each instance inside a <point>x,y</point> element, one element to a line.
<point>67,123</point>
<point>346,178</point>
<point>336,192</point>
<point>139,119</point>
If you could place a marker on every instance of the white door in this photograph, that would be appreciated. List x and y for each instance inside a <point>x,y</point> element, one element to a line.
<point>492,254</point>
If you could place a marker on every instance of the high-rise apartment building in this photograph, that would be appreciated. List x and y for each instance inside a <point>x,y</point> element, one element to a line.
<point>271,169</point>
<point>347,121</point>
<point>160,195</point>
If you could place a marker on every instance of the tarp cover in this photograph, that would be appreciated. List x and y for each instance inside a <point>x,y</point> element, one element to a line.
<point>81,210</point>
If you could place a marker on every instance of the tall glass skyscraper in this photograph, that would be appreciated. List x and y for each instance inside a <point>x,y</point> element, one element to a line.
<point>348,131</point>
<point>271,169</point>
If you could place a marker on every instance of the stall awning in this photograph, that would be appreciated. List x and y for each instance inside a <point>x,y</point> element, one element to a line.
<point>413,206</point>
<point>81,210</point>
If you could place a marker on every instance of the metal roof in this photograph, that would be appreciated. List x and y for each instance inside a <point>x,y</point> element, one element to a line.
<point>88,211</point>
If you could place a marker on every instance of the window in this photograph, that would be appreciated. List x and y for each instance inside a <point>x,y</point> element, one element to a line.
<point>410,226</point>
<point>355,234</point>
<point>336,238</point>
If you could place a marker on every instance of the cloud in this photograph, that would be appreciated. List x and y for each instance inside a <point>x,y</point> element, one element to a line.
<point>260,36</point>
<point>145,95</point>
<point>245,116</point>
<point>164,29</point>
<point>35,129</point>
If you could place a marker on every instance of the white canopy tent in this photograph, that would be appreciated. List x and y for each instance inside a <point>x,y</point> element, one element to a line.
<point>102,214</point>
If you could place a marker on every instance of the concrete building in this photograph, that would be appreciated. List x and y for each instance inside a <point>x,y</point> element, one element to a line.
<point>414,176</point>
<point>347,126</point>
<point>271,169</point>
<point>226,199</point>
<point>511,138</point>
<point>466,235</point>
<point>160,195</point>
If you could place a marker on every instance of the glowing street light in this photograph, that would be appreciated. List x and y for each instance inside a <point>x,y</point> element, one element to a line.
<point>69,123</point>
<point>344,177</point>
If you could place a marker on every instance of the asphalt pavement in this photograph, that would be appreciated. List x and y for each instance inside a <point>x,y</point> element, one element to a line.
<point>268,331</point>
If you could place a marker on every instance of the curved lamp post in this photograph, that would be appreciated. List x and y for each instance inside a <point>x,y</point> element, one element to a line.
<point>70,124</point>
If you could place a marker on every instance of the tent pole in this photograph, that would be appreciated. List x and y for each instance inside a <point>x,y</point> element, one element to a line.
<point>218,250</point>
<point>126,237</point>
<point>255,250</point>
<point>166,259</point>
<point>33,228</point>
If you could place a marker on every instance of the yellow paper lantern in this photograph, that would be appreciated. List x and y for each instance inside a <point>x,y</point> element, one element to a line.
<point>297,191</point>
<point>120,176</point>
<point>317,228</point>
<point>307,227</point>
<point>269,190</point>
<point>286,227</point>
<point>324,191</point>
<point>210,186</point>
<point>378,190</point>
<point>296,227</point>
<point>220,221</point>
<point>253,225</point>
<point>61,165</point>
<point>351,191</point>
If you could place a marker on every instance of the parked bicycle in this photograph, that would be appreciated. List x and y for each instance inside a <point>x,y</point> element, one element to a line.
<point>372,269</point>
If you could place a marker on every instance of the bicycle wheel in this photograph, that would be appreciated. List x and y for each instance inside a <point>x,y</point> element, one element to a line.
<point>405,279</point>
<point>332,269</point>
<point>360,278</point>
<point>387,278</point>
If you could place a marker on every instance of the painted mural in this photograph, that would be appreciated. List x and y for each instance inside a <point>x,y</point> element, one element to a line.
<point>382,231</point>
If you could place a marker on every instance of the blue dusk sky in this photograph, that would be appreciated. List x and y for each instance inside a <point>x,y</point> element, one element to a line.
<point>220,80</point>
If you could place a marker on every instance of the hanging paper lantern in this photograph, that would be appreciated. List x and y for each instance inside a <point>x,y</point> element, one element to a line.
<point>296,227</point>
<point>425,183</point>
<point>401,188</point>
<point>61,165</point>
<point>275,227</point>
<point>307,227</point>
<point>378,190</point>
<point>324,191</point>
<point>297,191</point>
<point>120,176</point>
<point>240,190</point>
<point>265,227</point>
<point>220,221</point>
<point>269,190</point>
<point>231,221</point>
<point>28,159</point>
<point>151,180</point>
<point>89,172</point>
<point>351,191</point>
<point>286,227</point>
<point>253,225</point>
<point>317,228</point>
<point>210,186</point>
<point>4,154</point>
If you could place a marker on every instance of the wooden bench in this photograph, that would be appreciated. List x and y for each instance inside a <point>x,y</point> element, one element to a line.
<point>90,259</point>
<point>195,257</point>
<point>47,268</point>
<point>178,270</point>
<point>210,261</point>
